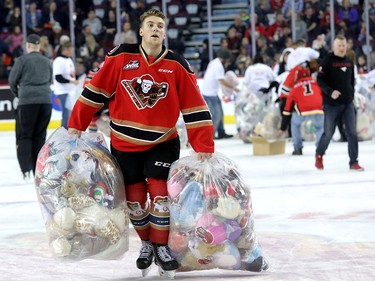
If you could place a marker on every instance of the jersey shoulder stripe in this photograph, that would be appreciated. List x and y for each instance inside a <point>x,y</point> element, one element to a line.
<point>124,48</point>
<point>180,60</point>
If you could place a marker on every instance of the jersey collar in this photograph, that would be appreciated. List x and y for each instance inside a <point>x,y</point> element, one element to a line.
<point>162,54</point>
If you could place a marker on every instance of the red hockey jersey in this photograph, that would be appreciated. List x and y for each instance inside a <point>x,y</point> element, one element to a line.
<point>294,74</point>
<point>145,100</point>
<point>306,98</point>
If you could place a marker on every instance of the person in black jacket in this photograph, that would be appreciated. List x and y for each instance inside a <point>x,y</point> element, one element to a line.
<point>30,81</point>
<point>336,79</point>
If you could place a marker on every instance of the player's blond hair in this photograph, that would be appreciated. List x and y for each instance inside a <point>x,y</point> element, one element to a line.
<point>152,13</point>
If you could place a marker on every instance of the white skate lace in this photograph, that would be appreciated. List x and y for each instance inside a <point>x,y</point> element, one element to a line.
<point>146,250</point>
<point>163,253</point>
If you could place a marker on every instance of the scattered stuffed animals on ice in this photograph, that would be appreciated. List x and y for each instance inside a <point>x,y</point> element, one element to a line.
<point>211,222</point>
<point>81,193</point>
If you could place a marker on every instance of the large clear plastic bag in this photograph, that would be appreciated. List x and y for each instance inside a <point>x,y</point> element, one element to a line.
<point>211,216</point>
<point>249,111</point>
<point>270,124</point>
<point>81,193</point>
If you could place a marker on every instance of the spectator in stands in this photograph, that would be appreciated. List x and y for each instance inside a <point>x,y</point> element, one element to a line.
<point>260,28</point>
<point>57,32</point>
<point>14,18</point>
<point>34,21</point>
<point>51,15</point>
<point>95,24</point>
<point>262,9</point>
<point>301,28</point>
<point>325,20</point>
<point>14,39</point>
<point>265,50</point>
<point>277,4</point>
<point>279,23</point>
<point>109,26</point>
<point>100,7</point>
<point>280,37</point>
<point>362,64</point>
<point>6,59</point>
<point>238,26</point>
<point>287,6</point>
<point>245,48</point>
<point>242,63</point>
<point>6,9</point>
<point>204,57</point>
<point>127,35</point>
<point>87,50</point>
<point>372,22</point>
<point>234,41</point>
<point>46,48</point>
<point>349,17</point>
<point>138,9</point>
<point>223,44</point>
<point>312,22</point>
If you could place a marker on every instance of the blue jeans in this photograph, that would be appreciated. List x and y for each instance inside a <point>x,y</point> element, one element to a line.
<point>297,120</point>
<point>331,116</point>
<point>217,113</point>
<point>65,112</point>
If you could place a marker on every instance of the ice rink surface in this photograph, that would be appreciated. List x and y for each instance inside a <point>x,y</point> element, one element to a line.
<point>312,225</point>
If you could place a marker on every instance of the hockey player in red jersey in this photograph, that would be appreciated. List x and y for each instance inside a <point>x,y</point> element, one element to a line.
<point>147,87</point>
<point>304,102</point>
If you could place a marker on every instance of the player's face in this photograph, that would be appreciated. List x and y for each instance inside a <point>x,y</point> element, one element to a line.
<point>153,31</point>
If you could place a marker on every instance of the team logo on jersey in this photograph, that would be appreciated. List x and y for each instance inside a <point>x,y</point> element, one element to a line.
<point>132,64</point>
<point>344,69</point>
<point>144,91</point>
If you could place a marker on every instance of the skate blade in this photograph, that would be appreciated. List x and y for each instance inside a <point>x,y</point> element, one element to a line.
<point>145,271</point>
<point>170,274</point>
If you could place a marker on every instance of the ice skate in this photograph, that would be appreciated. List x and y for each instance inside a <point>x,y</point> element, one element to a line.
<point>146,257</point>
<point>258,265</point>
<point>167,264</point>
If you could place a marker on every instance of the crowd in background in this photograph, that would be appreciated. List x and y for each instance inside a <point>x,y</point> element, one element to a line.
<point>95,30</point>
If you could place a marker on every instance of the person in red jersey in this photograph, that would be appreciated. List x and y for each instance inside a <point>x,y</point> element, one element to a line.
<point>147,87</point>
<point>304,102</point>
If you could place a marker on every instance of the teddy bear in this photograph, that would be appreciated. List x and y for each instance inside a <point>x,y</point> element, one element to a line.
<point>85,222</point>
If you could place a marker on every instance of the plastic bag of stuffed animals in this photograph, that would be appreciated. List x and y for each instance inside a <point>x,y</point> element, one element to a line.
<point>211,217</point>
<point>249,110</point>
<point>270,124</point>
<point>81,193</point>
<point>228,93</point>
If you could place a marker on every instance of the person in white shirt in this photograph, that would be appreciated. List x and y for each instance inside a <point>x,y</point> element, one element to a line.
<point>258,76</point>
<point>64,80</point>
<point>301,54</point>
<point>213,78</point>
